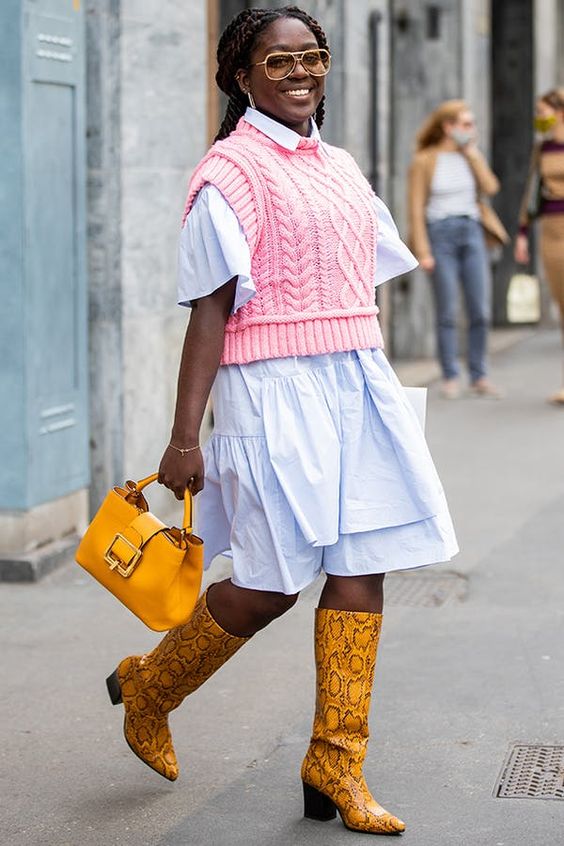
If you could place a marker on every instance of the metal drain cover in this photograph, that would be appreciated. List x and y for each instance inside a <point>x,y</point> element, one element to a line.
<point>532,772</point>
<point>424,589</point>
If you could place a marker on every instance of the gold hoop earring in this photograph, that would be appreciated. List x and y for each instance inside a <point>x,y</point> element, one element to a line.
<point>252,103</point>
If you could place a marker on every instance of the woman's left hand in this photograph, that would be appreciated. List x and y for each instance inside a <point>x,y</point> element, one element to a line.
<point>521,250</point>
<point>427,263</point>
<point>178,472</point>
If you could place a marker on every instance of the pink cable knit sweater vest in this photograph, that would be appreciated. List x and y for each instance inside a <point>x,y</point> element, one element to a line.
<point>310,222</point>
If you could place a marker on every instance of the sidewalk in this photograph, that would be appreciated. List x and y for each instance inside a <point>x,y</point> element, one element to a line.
<point>423,371</point>
<point>457,684</point>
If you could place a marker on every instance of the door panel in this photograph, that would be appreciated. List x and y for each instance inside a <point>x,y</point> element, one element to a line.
<point>55,275</point>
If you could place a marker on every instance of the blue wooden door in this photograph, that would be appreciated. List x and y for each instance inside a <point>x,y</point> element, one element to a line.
<point>54,238</point>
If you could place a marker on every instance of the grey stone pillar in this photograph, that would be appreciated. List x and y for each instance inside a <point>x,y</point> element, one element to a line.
<point>147,75</point>
<point>103,45</point>
<point>426,68</point>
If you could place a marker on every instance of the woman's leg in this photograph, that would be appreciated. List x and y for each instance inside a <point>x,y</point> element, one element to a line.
<point>475,276</point>
<point>347,629</point>
<point>151,686</point>
<point>354,593</point>
<point>552,255</point>
<point>243,612</point>
<point>443,237</point>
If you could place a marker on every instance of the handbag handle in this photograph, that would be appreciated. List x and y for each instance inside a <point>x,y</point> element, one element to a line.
<point>188,503</point>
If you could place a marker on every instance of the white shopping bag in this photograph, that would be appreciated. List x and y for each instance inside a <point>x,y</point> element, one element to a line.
<point>418,399</point>
<point>523,299</point>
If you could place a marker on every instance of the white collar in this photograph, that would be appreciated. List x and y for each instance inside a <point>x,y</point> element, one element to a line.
<point>277,131</point>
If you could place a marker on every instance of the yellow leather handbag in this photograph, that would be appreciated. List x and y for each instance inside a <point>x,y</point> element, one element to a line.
<point>155,570</point>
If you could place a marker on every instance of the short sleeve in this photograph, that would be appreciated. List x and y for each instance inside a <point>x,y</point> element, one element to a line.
<point>212,250</point>
<point>393,258</point>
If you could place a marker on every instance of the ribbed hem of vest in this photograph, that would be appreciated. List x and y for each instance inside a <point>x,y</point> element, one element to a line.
<point>302,337</point>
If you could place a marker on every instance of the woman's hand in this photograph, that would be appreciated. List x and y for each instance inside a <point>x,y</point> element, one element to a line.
<point>521,251</point>
<point>427,263</point>
<point>178,472</point>
<point>470,149</point>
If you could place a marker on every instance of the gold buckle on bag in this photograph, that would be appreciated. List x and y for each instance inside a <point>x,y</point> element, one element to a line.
<point>116,563</point>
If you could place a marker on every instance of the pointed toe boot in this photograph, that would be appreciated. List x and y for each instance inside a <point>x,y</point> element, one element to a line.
<point>151,686</point>
<point>145,725</point>
<point>346,643</point>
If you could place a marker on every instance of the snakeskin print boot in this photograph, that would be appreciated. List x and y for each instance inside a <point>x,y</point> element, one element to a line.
<point>345,654</point>
<point>151,686</point>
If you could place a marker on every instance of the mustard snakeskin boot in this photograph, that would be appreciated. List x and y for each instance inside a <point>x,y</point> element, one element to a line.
<point>151,686</point>
<point>345,654</point>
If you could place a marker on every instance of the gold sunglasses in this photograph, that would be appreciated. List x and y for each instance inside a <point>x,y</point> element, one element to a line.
<point>281,65</point>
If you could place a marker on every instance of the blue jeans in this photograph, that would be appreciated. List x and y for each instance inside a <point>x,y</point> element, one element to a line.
<point>460,255</point>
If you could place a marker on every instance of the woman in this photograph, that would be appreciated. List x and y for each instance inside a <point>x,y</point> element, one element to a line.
<point>544,197</point>
<point>448,177</point>
<point>317,462</point>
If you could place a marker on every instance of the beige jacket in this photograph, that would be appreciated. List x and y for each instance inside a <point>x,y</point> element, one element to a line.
<point>419,186</point>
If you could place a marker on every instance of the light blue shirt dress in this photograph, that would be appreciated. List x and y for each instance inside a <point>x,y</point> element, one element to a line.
<point>315,462</point>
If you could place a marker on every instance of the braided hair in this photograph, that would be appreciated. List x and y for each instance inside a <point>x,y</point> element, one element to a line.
<point>234,51</point>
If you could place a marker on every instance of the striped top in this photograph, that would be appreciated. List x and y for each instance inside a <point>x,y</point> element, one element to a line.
<point>453,189</point>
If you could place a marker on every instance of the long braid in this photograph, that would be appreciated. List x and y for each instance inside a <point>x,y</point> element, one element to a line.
<point>320,113</point>
<point>234,51</point>
<point>236,107</point>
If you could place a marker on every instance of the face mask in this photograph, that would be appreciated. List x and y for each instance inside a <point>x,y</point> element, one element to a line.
<point>543,124</point>
<point>460,137</point>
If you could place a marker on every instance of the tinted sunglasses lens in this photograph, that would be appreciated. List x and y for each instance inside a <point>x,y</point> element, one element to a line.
<point>279,65</point>
<point>317,62</point>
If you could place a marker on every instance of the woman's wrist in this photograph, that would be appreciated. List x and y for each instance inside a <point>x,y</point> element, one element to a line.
<point>184,450</point>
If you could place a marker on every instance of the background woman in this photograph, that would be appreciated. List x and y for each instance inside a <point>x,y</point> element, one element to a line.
<point>544,197</point>
<point>447,179</point>
<point>317,461</point>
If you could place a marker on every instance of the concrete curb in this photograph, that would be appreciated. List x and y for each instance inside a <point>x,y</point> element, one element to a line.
<point>32,566</point>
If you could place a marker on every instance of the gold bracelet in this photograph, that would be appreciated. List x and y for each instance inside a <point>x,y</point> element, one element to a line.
<point>183,451</point>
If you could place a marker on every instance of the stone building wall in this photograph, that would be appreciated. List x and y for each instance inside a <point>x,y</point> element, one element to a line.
<point>147,111</point>
<point>149,124</point>
<point>148,94</point>
<point>149,121</point>
<point>103,30</point>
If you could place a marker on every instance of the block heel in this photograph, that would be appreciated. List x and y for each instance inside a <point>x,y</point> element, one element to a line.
<point>114,688</point>
<point>317,806</point>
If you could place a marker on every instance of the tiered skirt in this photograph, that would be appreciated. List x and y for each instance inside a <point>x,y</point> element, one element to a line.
<point>319,463</point>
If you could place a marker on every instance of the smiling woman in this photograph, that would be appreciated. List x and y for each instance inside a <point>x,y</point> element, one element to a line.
<point>317,463</point>
<point>280,80</point>
<point>245,75</point>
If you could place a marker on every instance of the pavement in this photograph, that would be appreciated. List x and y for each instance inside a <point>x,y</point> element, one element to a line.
<point>457,683</point>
